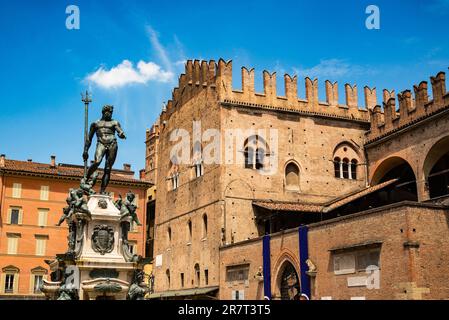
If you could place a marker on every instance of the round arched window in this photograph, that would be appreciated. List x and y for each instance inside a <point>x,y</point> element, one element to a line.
<point>345,160</point>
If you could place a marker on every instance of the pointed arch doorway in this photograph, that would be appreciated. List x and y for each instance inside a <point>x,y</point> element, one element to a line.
<point>289,282</point>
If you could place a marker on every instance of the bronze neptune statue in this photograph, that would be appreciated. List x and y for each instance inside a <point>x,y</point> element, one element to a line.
<point>105,129</point>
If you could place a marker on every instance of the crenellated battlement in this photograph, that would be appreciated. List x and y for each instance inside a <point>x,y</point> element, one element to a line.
<point>290,101</point>
<point>197,76</point>
<point>412,107</point>
<point>200,75</point>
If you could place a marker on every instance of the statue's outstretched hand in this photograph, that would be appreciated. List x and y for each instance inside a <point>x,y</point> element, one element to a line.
<point>122,135</point>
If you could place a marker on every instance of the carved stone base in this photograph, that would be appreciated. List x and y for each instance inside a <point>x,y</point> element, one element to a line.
<point>103,270</point>
<point>102,255</point>
<point>105,288</point>
<point>105,224</point>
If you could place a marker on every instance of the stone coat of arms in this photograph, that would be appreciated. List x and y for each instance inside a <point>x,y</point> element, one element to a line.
<point>103,239</point>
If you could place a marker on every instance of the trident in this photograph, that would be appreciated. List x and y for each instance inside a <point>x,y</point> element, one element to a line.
<point>86,98</point>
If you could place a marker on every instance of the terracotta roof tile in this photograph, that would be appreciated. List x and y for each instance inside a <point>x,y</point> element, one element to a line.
<point>64,170</point>
<point>325,207</point>
<point>356,195</point>
<point>288,206</point>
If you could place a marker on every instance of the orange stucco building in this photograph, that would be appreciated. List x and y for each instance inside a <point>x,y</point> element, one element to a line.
<point>32,196</point>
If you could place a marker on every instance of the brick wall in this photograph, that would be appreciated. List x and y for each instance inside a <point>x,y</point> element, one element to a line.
<point>413,250</point>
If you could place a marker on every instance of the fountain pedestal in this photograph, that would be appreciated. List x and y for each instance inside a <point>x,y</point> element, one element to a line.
<point>102,266</point>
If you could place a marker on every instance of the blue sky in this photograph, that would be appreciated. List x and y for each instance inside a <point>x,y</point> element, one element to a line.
<point>45,66</point>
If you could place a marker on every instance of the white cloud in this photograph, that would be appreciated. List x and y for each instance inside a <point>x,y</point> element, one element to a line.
<point>334,68</point>
<point>125,74</point>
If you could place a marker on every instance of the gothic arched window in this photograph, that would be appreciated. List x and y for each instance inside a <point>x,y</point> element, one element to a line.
<point>292,176</point>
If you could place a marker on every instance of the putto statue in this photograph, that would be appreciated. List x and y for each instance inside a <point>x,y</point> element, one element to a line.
<point>127,216</point>
<point>68,210</point>
<point>87,185</point>
<point>105,129</point>
<point>67,290</point>
<point>138,288</point>
<point>76,205</point>
<point>128,208</point>
<point>76,214</point>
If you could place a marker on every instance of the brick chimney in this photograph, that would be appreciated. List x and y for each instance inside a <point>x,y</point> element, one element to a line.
<point>142,174</point>
<point>2,161</point>
<point>126,167</point>
<point>53,161</point>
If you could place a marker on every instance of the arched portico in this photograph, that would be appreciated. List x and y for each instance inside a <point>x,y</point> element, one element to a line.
<point>436,169</point>
<point>396,168</point>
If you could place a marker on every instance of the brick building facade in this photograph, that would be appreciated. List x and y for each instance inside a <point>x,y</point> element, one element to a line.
<point>301,196</point>
<point>32,196</point>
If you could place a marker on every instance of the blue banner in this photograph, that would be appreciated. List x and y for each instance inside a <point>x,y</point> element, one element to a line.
<point>303,256</point>
<point>266,267</point>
